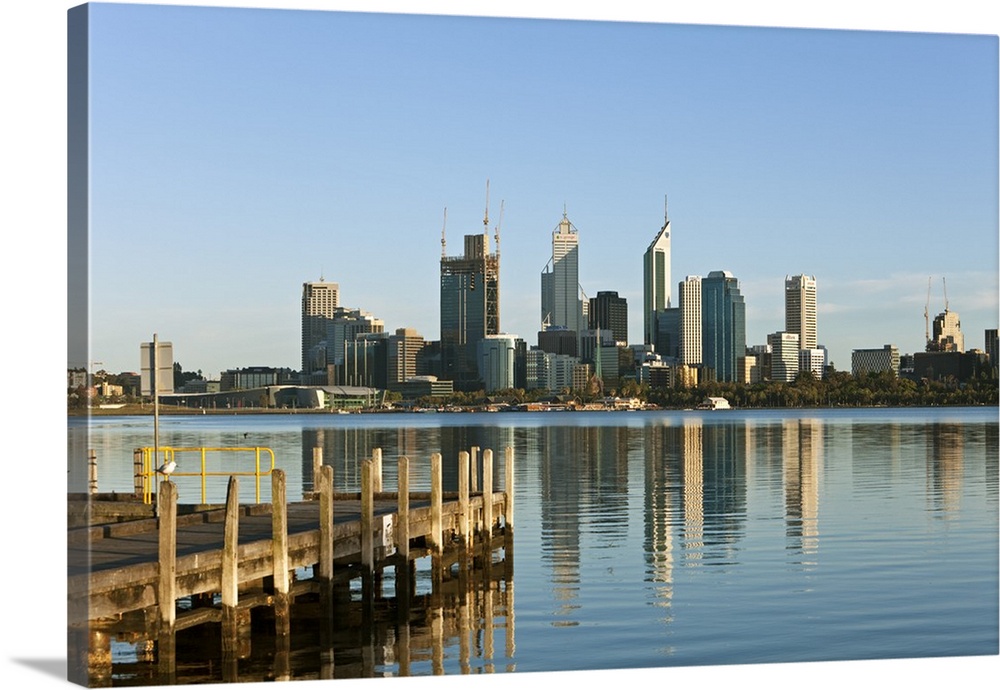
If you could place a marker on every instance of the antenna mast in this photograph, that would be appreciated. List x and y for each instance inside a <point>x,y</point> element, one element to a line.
<point>443,226</point>
<point>944,284</point>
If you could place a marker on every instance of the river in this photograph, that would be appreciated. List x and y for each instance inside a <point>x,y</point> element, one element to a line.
<point>657,539</point>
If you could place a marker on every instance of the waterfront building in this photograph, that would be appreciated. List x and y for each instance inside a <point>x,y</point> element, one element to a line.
<point>656,280</point>
<point>319,301</point>
<point>814,360</point>
<point>402,356</point>
<point>470,308</point>
<point>497,361</point>
<point>947,333</point>
<point>561,303</point>
<point>875,360</point>
<point>689,303</point>
<point>723,324</point>
<point>365,362</point>
<point>800,309</point>
<point>346,325</point>
<point>609,312</point>
<point>784,356</point>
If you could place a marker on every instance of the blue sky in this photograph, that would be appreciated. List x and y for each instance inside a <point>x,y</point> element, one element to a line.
<point>237,153</point>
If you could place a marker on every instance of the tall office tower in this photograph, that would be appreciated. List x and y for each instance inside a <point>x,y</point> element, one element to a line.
<point>689,293</point>
<point>990,336</point>
<point>800,309</point>
<point>668,333</point>
<point>561,304</point>
<point>656,280</point>
<point>723,324</point>
<point>319,302</point>
<point>609,312</point>
<point>947,333</point>
<point>470,308</point>
<point>784,356</point>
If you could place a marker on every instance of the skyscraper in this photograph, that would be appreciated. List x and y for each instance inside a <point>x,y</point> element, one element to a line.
<point>561,304</point>
<point>656,280</point>
<point>800,309</point>
<point>470,308</point>
<point>689,291</point>
<point>609,312</point>
<point>723,324</point>
<point>319,302</point>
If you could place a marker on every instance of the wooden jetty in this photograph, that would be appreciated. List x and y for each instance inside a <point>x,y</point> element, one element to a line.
<point>179,570</point>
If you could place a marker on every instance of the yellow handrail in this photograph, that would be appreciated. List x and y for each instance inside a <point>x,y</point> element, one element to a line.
<point>149,467</point>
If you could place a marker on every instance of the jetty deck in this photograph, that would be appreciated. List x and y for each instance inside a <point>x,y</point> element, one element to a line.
<point>244,556</point>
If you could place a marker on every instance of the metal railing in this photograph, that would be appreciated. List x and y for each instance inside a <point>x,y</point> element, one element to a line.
<point>149,463</point>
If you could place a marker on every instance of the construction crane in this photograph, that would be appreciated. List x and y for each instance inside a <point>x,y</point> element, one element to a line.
<point>496,230</point>
<point>944,285</point>
<point>927,304</point>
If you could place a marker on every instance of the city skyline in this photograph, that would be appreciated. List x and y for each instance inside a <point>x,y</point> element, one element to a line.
<point>812,153</point>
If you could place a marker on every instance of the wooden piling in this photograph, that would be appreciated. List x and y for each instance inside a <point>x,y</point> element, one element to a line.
<point>377,470</point>
<point>508,488</point>
<point>474,468</point>
<point>403,509</point>
<point>166,595</point>
<point>488,496</point>
<point>367,515</point>
<point>435,537</point>
<point>463,497</point>
<point>230,547</point>
<point>324,569</point>
<point>279,552</point>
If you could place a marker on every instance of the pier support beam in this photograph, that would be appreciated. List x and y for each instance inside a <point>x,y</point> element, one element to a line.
<point>279,552</point>
<point>167,533</point>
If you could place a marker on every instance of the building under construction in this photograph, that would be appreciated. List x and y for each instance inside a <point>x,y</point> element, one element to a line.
<point>470,306</point>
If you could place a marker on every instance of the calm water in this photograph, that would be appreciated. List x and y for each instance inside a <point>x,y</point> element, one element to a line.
<point>673,538</point>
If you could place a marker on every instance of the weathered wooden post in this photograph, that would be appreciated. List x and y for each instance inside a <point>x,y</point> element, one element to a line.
<point>324,569</point>
<point>436,538</point>
<point>367,538</point>
<point>235,623</point>
<point>402,534</point>
<point>377,470</point>
<point>508,488</point>
<point>92,471</point>
<point>279,554</point>
<point>474,467</point>
<point>488,497</point>
<point>167,532</point>
<point>463,498</point>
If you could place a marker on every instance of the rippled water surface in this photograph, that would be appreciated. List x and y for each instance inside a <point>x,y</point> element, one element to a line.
<point>676,538</point>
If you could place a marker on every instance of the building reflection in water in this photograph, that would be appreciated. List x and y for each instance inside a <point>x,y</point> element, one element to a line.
<point>945,452</point>
<point>802,456</point>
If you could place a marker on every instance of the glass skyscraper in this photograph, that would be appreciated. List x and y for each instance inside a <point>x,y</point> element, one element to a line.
<point>561,304</point>
<point>470,309</point>
<point>656,281</point>
<point>723,324</point>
